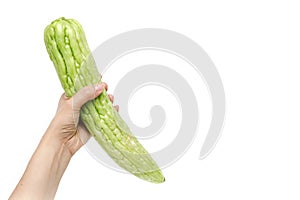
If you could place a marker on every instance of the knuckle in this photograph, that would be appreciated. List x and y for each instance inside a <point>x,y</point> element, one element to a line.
<point>89,92</point>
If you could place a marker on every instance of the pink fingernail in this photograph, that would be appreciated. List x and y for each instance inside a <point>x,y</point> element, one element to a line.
<point>103,85</point>
<point>98,87</point>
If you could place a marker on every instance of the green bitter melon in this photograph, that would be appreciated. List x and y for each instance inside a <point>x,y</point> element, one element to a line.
<point>68,49</point>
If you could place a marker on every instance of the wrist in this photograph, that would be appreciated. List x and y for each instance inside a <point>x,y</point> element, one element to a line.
<point>65,137</point>
<point>52,141</point>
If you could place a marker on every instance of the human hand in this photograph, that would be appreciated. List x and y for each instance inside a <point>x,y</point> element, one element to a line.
<point>68,128</point>
<point>65,135</point>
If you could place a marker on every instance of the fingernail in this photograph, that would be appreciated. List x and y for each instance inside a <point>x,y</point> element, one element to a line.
<point>98,87</point>
<point>103,85</point>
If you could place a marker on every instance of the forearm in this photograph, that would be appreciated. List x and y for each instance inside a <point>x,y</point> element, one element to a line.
<point>45,169</point>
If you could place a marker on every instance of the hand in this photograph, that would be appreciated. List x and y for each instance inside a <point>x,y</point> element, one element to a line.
<point>68,127</point>
<point>65,135</point>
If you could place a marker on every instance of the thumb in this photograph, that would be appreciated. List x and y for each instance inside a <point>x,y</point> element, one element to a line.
<point>86,94</point>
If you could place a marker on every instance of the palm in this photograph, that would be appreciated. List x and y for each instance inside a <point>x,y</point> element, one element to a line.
<point>73,132</point>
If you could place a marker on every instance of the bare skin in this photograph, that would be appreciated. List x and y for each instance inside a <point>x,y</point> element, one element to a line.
<point>64,136</point>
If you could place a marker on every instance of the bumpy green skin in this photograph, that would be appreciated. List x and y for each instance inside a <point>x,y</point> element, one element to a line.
<point>67,47</point>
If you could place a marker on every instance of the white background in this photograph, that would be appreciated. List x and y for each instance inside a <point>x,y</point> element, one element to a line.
<point>255,46</point>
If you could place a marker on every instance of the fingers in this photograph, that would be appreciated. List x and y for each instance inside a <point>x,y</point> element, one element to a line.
<point>117,107</point>
<point>111,98</point>
<point>105,86</point>
<point>86,94</point>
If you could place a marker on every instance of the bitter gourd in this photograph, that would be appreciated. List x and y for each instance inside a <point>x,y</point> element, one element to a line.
<point>68,49</point>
